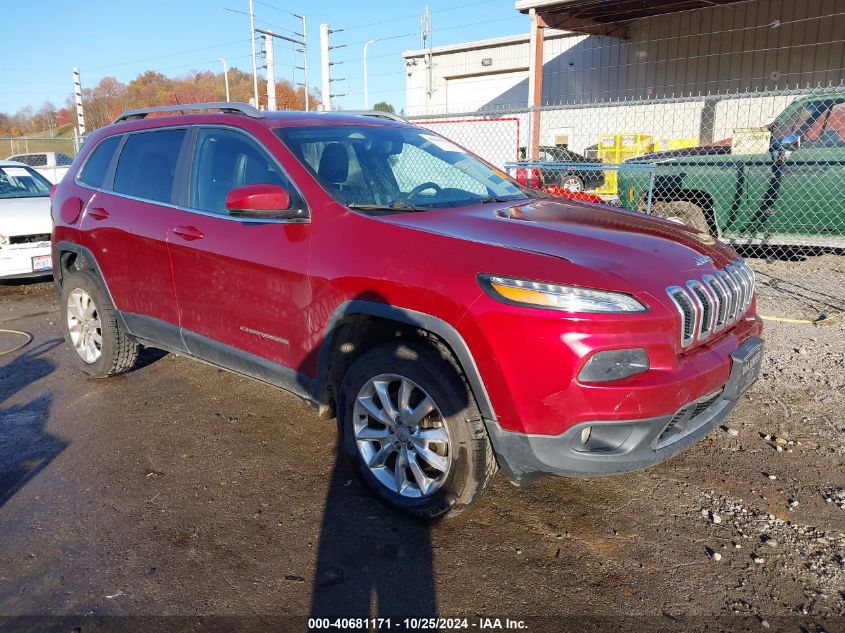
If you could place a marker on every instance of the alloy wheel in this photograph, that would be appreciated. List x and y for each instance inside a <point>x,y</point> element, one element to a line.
<point>572,183</point>
<point>402,435</point>
<point>83,324</point>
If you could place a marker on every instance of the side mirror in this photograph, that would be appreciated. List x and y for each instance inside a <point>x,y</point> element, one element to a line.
<point>261,202</point>
<point>788,143</point>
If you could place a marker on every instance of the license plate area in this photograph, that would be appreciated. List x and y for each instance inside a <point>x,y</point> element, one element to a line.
<point>747,361</point>
<point>42,263</point>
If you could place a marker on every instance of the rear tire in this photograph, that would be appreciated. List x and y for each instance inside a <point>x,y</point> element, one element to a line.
<point>98,344</point>
<point>684,213</point>
<point>398,466</point>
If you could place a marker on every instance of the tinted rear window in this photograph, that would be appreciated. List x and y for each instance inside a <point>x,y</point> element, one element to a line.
<point>147,164</point>
<point>94,171</point>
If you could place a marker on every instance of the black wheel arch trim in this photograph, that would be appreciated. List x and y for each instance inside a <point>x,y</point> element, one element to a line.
<point>421,320</point>
<point>58,273</point>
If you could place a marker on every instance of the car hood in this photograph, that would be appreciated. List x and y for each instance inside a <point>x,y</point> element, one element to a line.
<point>25,216</point>
<point>621,249</point>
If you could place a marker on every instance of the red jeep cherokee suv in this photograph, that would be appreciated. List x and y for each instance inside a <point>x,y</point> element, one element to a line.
<point>453,321</point>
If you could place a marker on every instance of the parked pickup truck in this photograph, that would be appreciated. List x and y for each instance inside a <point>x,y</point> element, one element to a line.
<point>793,193</point>
<point>52,165</point>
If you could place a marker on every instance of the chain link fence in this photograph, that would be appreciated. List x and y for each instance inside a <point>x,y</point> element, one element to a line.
<point>51,157</point>
<point>21,145</point>
<point>763,171</point>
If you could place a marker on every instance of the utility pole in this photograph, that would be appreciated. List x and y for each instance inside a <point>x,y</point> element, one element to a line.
<point>271,72</point>
<point>268,51</point>
<point>226,77</point>
<point>77,92</point>
<point>425,39</point>
<point>252,42</point>
<point>324,66</point>
<point>366,94</point>
<point>304,51</point>
<point>304,68</point>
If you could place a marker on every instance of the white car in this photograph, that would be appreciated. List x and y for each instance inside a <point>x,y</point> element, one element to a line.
<point>52,165</point>
<point>25,222</point>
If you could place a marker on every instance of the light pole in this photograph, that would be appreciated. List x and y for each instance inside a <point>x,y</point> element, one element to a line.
<point>226,77</point>
<point>366,95</point>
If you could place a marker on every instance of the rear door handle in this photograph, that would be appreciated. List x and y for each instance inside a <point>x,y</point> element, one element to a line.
<point>98,213</point>
<point>189,233</point>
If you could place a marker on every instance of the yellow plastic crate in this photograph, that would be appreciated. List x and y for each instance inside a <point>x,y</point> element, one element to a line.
<point>617,148</point>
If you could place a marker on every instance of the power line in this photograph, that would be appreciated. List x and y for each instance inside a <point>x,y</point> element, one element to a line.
<point>415,16</point>
<point>138,61</point>
<point>275,26</point>
<point>296,15</point>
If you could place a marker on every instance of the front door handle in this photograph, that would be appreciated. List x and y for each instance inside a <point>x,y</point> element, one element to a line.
<point>189,233</point>
<point>98,213</point>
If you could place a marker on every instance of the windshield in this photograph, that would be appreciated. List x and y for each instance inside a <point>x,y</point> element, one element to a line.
<point>403,168</point>
<point>22,182</point>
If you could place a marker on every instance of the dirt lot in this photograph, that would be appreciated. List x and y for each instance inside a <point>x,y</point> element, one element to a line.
<point>180,489</point>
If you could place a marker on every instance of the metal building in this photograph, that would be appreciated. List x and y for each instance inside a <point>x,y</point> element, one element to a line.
<point>636,49</point>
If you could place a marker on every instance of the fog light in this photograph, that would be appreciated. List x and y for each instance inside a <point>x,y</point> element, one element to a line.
<point>601,438</point>
<point>585,434</point>
<point>614,365</point>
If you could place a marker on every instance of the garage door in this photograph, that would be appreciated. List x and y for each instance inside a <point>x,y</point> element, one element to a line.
<point>467,94</point>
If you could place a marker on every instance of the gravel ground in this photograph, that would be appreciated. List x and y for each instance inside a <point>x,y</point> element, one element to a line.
<point>180,489</point>
<point>802,286</point>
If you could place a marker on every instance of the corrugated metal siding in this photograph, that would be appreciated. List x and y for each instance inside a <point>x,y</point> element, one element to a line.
<point>746,46</point>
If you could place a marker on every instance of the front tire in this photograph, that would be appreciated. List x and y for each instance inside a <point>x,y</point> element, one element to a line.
<point>683,213</point>
<point>412,431</point>
<point>100,347</point>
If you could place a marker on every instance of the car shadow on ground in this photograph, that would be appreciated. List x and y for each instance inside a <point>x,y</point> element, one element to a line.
<point>26,448</point>
<point>371,561</point>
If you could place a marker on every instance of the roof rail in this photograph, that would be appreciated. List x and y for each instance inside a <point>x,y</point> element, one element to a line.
<point>225,106</point>
<point>381,114</point>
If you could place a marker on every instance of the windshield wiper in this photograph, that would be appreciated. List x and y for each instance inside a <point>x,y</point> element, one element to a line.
<point>396,205</point>
<point>499,199</point>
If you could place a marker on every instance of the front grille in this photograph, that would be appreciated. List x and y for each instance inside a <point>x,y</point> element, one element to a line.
<point>687,420</point>
<point>714,302</point>
<point>29,239</point>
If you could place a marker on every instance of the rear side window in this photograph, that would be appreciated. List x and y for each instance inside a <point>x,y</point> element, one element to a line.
<point>147,164</point>
<point>63,160</point>
<point>97,165</point>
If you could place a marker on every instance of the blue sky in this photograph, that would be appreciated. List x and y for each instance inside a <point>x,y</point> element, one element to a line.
<point>43,41</point>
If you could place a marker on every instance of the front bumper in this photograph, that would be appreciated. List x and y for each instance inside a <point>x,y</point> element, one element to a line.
<point>613,447</point>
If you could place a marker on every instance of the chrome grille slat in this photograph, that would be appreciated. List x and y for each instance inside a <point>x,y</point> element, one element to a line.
<point>715,301</point>
<point>708,304</point>
<point>739,276</point>
<point>721,295</point>
<point>689,313</point>
<point>733,294</point>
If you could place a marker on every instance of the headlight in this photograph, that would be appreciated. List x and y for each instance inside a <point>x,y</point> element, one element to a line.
<point>558,297</point>
<point>4,239</point>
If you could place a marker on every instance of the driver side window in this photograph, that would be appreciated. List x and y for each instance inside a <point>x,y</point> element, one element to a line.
<point>225,159</point>
<point>413,167</point>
